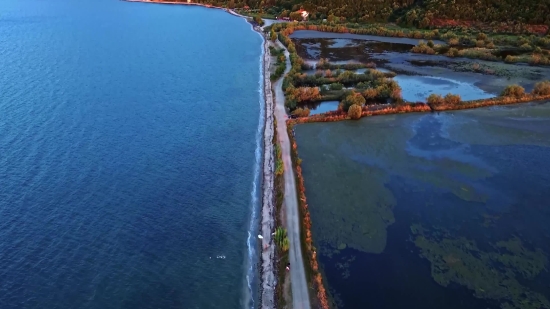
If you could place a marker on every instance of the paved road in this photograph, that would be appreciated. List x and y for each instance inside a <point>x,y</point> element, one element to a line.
<point>300,297</point>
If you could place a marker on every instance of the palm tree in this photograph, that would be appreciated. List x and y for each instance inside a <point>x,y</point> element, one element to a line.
<point>281,239</point>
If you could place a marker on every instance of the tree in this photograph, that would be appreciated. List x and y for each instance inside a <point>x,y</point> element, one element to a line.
<point>354,98</point>
<point>354,111</point>
<point>296,16</point>
<point>273,36</point>
<point>259,20</point>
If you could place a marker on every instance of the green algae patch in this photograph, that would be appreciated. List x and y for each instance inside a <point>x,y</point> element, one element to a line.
<point>349,203</point>
<point>494,275</point>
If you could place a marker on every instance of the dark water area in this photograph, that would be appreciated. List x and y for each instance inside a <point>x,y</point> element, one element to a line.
<point>503,53</point>
<point>345,49</point>
<point>321,107</point>
<point>129,148</point>
<point>441,210</point>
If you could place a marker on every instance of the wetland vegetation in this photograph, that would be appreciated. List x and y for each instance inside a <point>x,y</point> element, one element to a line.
<point>374,70</point>
<point>385,70</point>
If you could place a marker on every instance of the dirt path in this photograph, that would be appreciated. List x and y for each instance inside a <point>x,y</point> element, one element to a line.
<point>300,297</point>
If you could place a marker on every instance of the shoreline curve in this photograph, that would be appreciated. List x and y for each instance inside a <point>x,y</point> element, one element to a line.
<point>268,279</point>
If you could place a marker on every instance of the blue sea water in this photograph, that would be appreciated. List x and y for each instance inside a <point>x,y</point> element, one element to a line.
<point>129,155</point>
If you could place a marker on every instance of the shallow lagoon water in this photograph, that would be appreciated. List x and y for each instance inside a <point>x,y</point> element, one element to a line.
<point>432,210</point>
<point>418,88</point>
<point>323,107</point>
<point>345,38</point>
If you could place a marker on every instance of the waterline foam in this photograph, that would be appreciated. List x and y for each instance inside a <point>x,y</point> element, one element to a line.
<point>255,201</point>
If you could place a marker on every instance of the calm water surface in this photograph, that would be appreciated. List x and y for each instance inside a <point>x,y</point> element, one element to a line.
<point>444,210</point>
<point>128,142</point>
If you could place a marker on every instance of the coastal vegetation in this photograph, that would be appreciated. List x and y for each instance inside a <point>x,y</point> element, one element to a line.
<point>533,49</point>
<point>281,239</point>
<point>377,87</point>
<point>367,94</point>
<point>280,65</point>
<point>511,16</point>
<point>513,91</point>
<point>279,193</point>
<point>354,112</point>
<point>542,88</point>
<point>354,98</point>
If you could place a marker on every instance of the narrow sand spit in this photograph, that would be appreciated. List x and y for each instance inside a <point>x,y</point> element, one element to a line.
<point>268,246</point>
<point>298,283</point>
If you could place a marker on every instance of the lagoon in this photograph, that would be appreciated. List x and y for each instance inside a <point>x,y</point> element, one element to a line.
<point>443,210</point>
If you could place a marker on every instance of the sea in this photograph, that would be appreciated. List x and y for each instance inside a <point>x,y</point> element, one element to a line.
<point>130,149</point>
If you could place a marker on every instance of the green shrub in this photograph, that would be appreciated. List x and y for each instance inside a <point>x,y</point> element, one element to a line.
<point>542,88</point>
<point>301,112</point>
<point>281,239</point>
<point>336,86</point>
<point>526,46</point>
<point>370,93</point>
<point>423,48</point>
<point>452,99</point>
<point>354,111</point>
<point>435,99</point>
<point>481,36</point>
<point>513,91</point>
<point>453,52</point>
<point>354,98</point>
<point>510,59</point>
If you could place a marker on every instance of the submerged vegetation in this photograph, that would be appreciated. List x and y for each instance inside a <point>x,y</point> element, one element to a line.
<point>457,260</point>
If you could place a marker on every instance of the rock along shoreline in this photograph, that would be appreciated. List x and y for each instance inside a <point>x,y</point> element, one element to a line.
<point>268,279</point>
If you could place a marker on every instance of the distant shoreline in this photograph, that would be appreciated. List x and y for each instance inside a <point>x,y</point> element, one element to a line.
<point>190,3</point>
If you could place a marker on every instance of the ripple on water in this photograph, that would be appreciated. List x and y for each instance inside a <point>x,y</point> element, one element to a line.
<point>127,158</point>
